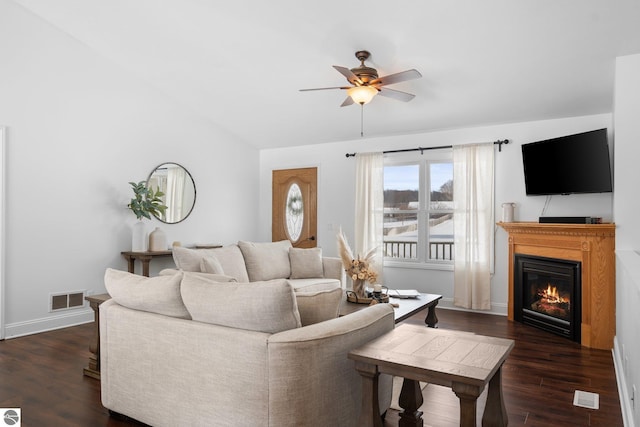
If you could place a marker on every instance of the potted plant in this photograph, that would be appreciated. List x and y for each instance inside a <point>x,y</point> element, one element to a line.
<point>146,202</point>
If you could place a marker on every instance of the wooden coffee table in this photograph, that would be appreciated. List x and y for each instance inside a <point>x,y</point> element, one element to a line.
<point>463,361</point>
<point>406,307</point>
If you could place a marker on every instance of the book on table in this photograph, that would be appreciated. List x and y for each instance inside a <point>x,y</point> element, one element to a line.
<point>404,293</point>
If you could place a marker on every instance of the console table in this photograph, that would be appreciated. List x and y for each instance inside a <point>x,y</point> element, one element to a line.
<point>144,257</point>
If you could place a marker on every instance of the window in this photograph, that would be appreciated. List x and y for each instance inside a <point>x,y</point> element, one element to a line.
<point>418,209</point>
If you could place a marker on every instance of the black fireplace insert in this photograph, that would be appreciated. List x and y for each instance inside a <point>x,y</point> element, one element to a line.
<point>547,294</point>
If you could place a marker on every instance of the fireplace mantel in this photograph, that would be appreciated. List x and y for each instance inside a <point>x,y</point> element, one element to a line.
<point>591,244</point>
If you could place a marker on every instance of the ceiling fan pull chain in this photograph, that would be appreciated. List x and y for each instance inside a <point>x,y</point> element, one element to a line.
<point>361,120</point>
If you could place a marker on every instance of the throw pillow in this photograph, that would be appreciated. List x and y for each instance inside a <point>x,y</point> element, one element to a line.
<point>210,264</point>
<point>229,257</point>
<point>315,307</point>
<point>266,261</point>
<point>306,263</point>
<point>186,259</point>
<point>159,294</point>
<point>264,307</point>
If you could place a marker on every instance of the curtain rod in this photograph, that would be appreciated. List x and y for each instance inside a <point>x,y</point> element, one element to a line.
<point>421,149</point>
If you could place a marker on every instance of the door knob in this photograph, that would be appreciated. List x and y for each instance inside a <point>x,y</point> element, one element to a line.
<point>312,238</point>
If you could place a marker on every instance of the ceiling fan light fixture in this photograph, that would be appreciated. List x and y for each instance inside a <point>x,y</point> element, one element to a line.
<point>362,94</point>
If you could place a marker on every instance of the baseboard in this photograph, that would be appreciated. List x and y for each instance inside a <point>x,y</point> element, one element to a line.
<point>59,321</point>
<point>627,410</point>
<point>497,308</point>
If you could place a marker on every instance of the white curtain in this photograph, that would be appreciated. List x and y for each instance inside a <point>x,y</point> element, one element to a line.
<point>473,221</point>
<point>176,177</point>
<point>369,206</point>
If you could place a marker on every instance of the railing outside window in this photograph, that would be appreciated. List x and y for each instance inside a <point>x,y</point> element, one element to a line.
<point>418,211</point>
<point>409,250</point>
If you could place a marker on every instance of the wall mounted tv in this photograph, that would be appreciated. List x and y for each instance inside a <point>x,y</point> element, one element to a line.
<point>569,164</point>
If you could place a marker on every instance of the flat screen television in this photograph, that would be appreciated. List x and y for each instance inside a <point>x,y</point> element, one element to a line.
<point>567,165</point>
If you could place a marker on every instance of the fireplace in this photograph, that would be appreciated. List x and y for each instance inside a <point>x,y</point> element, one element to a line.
<point>590,245</point>
<point>547,294</point>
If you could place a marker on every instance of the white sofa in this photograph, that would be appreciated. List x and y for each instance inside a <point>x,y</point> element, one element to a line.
<point>318,281</point>
<point>306,269</point>
<point>184,350</point>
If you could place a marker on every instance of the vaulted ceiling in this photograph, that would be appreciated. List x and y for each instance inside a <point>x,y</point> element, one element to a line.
<point>241,63</point>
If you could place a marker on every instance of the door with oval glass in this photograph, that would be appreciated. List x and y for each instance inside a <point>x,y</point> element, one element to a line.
<point>294,206</point>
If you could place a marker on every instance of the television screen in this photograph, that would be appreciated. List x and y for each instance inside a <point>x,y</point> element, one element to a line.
<point>569,164</point>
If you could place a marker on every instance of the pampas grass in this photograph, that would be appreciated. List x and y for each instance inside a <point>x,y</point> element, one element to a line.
<point>346,255</point>
<point>356,268</point>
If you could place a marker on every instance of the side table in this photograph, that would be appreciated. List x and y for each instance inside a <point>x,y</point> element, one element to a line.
<point>144,257</point>
<point>93,370</point>
<point>463,361</point>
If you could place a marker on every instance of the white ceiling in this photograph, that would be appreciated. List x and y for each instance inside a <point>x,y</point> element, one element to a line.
<point>240,63</point>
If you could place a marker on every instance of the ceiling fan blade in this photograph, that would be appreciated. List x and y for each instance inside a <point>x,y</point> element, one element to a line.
<point>348,74</point>
<point>325,88</point>
<point>397,77</point>
<point>396,94</point>
<point>347,101</point>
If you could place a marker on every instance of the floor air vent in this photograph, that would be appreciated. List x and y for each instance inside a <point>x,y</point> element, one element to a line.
<point>586,399</point>
<point>66,301</point>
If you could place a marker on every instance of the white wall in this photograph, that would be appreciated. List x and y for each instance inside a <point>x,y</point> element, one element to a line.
<point>78,129</point>
<point>336,190</point>
<point>626,208</point>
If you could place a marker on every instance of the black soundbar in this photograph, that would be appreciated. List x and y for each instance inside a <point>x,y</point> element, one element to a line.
<point>569,220</point>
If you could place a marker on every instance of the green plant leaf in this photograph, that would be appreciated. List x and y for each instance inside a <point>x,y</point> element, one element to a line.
<point>146,201</point>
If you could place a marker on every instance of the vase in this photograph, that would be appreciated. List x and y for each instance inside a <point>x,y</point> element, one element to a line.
<point>139,237</point>
<point>157,240</point>
<point>359,288</point>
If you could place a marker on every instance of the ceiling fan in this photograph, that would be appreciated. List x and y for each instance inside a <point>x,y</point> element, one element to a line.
<point>365,83</point>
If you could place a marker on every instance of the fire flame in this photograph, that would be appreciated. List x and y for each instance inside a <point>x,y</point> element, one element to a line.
<point>551,295</point>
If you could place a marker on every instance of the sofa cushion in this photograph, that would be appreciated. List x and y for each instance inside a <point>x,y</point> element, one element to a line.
<point>266,261</point>
<point>159,294</point>
<point>212,278</point>
<point>210,264</point>
<point>306,263</point>
<point>229,257</point>
<point>314,285</point>
<point>265,306</point>
<point>315,307</point>
<point>186,259</point>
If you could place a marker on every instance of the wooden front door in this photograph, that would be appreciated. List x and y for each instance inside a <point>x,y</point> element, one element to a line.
<point>294,206</point>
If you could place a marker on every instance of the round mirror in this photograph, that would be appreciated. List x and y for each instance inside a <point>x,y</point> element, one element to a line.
<point>179,191</point>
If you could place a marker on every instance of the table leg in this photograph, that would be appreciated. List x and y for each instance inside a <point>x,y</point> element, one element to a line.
<point>93,370</point>
<point>432,320</point>
<point>468,396</point>
<point>145,266</point>
<point>131,264</point>
<point>410,400</point>
<point>144,260</point>
<point>370,409</point>
<point>495,413</point>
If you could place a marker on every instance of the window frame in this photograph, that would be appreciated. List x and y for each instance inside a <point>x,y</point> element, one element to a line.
<point>424,162</point>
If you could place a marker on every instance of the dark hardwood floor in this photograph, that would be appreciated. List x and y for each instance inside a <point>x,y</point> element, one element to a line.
<point>42,375</point>
<point>539,377</point>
